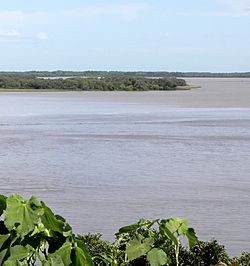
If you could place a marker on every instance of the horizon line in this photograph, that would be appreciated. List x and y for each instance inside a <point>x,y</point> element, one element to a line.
<point>160,71</point>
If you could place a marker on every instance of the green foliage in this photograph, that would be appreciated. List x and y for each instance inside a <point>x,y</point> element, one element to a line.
<point>127,83</point>
<point>104,252</point>
<point>243,260</point>
<point>30,232</point>
<point>146,240</point>
<point>162,253</point>
<point>157,257</point>
<point>174,228</point>
<point>22,215</point>
<point>207,253</point>
<point>138,246</point>
<point>2,204</point>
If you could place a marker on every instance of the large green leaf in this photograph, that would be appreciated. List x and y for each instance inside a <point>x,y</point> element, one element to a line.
<point>21,214</point>
<point>157,257</point>
<point>3,239</point>
<point>165,230</point>
<point>88,258</point>
<point>192,238</point>
<point>134,227</point>
<point>176,225</point>
<point>138,247</point>
<point>80,258</point>
<point>62,255</point>
<point>54,261</point>
<point>3,255</point>
<point>51,222</point>
<point>183,227</point>
<point>15,263</point>
<point>17,254</point>
<point>2,204</point>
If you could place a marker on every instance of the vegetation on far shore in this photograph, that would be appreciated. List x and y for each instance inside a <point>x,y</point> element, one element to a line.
<point>103,80</point>
<point>91,83</point>
<point>31,234</point>
<point>152,74</point>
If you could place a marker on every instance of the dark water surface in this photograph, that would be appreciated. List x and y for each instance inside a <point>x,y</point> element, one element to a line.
<point>104,160</point>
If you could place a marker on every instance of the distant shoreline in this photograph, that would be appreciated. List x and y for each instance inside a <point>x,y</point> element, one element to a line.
<point>178,88</point>
<point>154,74</point>
<point>120,83</point>
<point>214,93</point>
<point>31,90</point>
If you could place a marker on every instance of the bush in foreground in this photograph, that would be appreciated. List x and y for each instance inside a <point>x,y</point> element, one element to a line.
<point>31,234</point>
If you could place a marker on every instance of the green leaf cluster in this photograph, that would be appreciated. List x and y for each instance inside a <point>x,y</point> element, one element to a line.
<point>149,239</point>
<point>31,233</point>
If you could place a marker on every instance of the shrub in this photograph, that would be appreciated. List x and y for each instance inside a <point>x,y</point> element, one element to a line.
<point>31,234</point>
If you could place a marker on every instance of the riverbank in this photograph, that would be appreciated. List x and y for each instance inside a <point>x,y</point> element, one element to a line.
<point>213,93</point>
<point>29,90</point>
<point>187,88</point>
<point>178,88</point>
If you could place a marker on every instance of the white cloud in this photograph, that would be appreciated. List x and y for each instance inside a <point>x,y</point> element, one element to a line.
<point>237,4</point>
<point>236,7</point>
<point>11,16</point>
<point>18,20</point>
<point>10,34</point>
<point>228,8</point>
<point>19,17</point>
<point>42,36</point>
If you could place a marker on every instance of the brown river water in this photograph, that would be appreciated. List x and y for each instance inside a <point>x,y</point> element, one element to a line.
<point>105,159</point>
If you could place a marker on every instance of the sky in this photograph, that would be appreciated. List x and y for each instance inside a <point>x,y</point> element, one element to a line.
<point>159,35</point>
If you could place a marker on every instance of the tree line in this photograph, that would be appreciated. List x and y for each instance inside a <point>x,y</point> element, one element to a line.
<point>89,84</point>
<point>61,73</point>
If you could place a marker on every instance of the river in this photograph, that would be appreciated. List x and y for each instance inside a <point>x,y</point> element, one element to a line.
<point>105,159</point>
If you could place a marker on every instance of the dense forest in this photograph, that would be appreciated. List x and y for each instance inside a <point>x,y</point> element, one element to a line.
<point>102,80</point>
<point>125,83</point>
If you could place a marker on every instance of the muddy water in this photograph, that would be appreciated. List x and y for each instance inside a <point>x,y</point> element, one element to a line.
<point>106,159</point>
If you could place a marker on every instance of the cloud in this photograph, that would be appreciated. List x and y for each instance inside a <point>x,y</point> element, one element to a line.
<point>12,15</point>
<point>10,24</point>
<point>10,35</point>
<point>42,36</point>
<point>19,20</point>
<point>19,17</point>
<point>236,7</point>
<point>237,4</point>
<point>227,8</point>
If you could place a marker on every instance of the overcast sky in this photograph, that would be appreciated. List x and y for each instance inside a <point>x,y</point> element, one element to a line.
<point>167,35</point>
